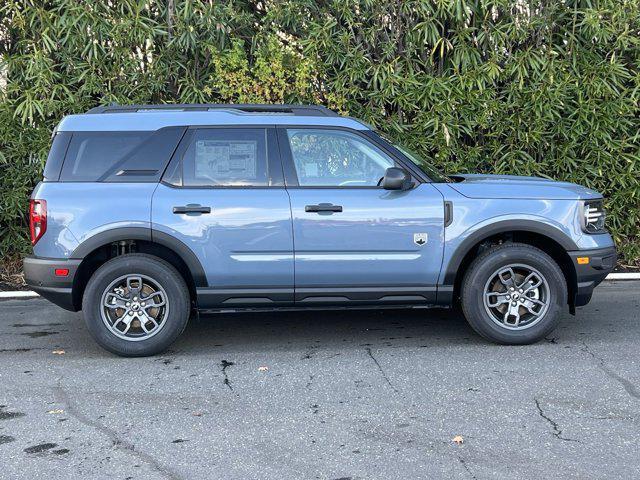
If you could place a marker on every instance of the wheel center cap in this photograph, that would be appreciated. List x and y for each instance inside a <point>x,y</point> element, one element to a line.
<point>516,295</point>
<point>135,306</point>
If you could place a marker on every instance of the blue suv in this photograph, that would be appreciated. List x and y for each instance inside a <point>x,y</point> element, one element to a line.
<point>147,214</point>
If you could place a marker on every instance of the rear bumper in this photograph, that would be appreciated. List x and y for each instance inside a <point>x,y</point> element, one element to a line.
<point>601,262</point>
<point>39,274</point>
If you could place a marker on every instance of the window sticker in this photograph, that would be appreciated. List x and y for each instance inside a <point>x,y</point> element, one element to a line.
<point>219,159</point>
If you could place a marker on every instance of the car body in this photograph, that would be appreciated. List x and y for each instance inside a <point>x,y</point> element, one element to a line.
<point>291,207</point>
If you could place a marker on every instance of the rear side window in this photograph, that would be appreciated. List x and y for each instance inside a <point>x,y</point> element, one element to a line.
<point>119,156</point>
<point>225,157</point>
<point>55,159</point>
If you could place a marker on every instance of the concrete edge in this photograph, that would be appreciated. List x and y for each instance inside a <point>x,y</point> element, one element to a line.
<point>30,294</point>
<point>18,294</point>
<point>623,276</point>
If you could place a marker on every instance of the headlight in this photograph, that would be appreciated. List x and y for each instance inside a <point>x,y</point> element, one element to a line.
<point>593,216</point>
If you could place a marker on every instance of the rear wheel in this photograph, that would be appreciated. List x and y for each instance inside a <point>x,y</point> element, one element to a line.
<point>514,294</point>
<point>136,305</point>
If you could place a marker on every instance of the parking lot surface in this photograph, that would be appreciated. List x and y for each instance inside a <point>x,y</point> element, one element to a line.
<point>324,395</point>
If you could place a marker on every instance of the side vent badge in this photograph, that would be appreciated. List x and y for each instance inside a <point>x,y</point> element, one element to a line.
<point>420,238</point>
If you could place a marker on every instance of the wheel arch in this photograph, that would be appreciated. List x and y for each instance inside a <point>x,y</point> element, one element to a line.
<point>547,238</point>
<point>103,246</point>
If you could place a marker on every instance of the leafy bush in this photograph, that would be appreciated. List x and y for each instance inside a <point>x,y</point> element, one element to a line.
<point>536,87</point>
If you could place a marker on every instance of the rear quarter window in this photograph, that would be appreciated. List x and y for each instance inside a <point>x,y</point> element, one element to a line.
<point>59,146</point>
<point>119,156</point>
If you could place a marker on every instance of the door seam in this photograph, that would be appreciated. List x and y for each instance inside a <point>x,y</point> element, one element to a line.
<point>293,245</point>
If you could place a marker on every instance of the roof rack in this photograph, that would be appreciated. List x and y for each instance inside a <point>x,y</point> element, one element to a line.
<point>298,110</point>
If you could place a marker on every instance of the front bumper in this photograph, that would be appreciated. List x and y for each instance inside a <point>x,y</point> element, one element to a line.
<point>589,275</point>
<point>39,274</point>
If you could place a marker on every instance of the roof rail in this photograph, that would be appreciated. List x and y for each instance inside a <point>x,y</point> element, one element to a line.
<point>298,110</point>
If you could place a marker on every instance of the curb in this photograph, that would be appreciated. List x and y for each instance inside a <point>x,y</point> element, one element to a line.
<point>623,276</point>
<point>18,294</point>
<point>31,294</point>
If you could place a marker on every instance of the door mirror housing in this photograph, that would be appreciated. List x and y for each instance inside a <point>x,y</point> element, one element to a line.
<point>396,178</point>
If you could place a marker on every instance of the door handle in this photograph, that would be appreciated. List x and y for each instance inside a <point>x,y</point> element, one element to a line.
<point>186,209</point>
<point>323,207</point>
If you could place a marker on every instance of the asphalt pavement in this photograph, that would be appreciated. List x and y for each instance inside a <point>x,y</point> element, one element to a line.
<point>324,395</point>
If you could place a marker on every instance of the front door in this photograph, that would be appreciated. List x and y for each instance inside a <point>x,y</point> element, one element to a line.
<point>223,198</point>
<point>354,241</point>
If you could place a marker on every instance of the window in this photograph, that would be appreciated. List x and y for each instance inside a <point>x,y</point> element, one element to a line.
<point>119,156</point>
<point>55,159</point>
<point>226,157</point>
<point>91,154</point>
<point>336,158</point>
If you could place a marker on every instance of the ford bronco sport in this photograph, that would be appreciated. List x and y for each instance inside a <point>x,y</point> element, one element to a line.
<point>149,213</point>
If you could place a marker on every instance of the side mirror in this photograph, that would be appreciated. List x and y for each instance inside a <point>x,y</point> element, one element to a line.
<point>396,178</point>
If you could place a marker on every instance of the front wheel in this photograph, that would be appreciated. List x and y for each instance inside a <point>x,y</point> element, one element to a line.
<point>514,294</point>
<point>136,305</point>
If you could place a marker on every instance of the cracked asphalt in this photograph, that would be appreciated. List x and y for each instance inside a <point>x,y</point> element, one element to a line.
<point>324,395</point>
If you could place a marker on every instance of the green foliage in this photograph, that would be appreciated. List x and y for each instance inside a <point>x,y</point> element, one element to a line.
<point>534,87</point>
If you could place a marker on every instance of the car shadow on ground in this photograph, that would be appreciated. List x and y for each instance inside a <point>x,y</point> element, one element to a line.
<point>327,329</point>
<point>278,331</point>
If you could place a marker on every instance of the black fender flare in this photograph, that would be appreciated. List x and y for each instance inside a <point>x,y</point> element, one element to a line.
<point>143,233</point>
<point>531,226</point>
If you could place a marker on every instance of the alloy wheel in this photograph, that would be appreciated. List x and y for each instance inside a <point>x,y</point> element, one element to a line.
<point>516,296</point>
<point>134,307</point>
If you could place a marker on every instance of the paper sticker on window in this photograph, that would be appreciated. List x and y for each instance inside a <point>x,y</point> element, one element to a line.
<point>217,159</point>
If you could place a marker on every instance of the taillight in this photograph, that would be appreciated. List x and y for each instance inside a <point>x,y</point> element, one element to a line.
<point>37,219</point>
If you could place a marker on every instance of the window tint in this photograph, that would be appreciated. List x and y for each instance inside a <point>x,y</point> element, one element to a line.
<point>119,156</point>
<point>92,154</point>
<point>336,158</point>
<point>56,156</point>
<point>226,157</point>
<point>147,162</point>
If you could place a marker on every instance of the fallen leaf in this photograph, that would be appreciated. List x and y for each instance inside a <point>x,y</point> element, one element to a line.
<point>55,412</point>
<point>58,352</point>
<point>458,440</point>
<point>263,369</point>
<point>197,414</point>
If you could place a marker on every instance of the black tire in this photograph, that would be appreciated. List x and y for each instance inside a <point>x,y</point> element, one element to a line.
<point>165,275</point>
<point>479,274</point>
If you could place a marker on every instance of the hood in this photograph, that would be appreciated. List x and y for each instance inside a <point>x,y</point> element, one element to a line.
<point>512,186</point>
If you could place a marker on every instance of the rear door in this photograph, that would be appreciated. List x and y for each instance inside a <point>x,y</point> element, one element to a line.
<point>223,196</point>
<point>354,241</point>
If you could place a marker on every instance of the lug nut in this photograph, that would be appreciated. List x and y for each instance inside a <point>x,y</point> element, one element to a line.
<point>508,297</point>
<point>143,304</point>
<point>128,304</point>
<point>521,290</point>
<point>135,299</point>
<point>514,303</point>
<point>130,313</point>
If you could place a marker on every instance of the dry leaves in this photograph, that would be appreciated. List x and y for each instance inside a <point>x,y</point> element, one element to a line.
<point>56,412</point>
<point>458,440</point>
<point>263,369</point>
<point>58,352</point>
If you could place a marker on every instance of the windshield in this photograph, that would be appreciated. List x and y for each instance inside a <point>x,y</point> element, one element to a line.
<point>420,162</point>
